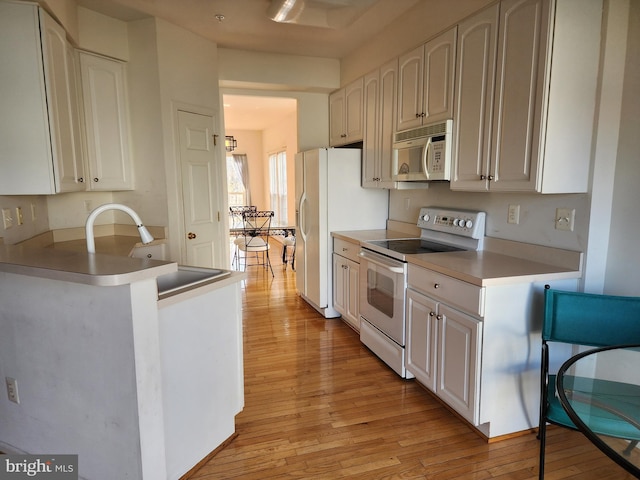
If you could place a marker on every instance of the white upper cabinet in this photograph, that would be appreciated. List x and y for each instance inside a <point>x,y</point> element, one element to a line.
<point>61,79</point>
<point>346,114</point>
<point>535,134</point>
<point>425,82</point>
<point>40,146</point>
<point>380,89</point>
<point>106,118</point>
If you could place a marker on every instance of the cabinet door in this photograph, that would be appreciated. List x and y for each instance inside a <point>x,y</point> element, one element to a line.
<point>370,140</point>
<point>337,134</point>
<point>107,122</point>
<point>422,346</point>
<point>476,57</point>
<point>62,105</point>
<point>353,304</point>
<point>387,112</point>
<point>410,86</point>
<point>439,75</point>
<point>519,94</point>
<point>459,362</point>
<point>353,100</point>
<point>339,284</point>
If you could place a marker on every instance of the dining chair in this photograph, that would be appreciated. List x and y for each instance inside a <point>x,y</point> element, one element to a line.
<point>584,319</point>
<point>256,226</point>
<point>235,215</point>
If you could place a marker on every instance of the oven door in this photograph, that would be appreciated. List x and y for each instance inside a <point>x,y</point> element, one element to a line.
<point>382,293</point>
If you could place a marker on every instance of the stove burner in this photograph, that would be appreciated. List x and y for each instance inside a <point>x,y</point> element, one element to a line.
<point>414,246</point>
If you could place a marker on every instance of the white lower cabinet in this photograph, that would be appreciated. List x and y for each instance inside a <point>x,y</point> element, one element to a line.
<point>346,276</point>
<point>443,352</point>
<point>477,348</point>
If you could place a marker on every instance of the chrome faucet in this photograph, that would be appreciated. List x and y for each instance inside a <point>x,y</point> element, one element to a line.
<point>145,236</point>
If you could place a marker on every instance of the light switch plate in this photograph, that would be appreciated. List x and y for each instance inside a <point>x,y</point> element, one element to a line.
<point>7,219</point>
<point>514,214</point>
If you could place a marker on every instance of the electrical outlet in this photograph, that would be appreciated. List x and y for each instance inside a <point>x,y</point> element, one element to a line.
<point>7,219</point>
<point>19,216</point>
<point>12,389</point>
<point>514,214</point>
<point>565,218</point>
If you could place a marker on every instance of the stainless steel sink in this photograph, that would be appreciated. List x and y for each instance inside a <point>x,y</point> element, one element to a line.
<point>187,278</point>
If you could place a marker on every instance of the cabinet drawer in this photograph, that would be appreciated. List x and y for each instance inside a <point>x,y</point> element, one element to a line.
<point>456,293</point>
<point>346,249</point>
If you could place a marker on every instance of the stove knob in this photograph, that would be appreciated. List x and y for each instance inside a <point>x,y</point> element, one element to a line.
<point>455,222</point>
<point>426,217</point>
<point>469,223</point>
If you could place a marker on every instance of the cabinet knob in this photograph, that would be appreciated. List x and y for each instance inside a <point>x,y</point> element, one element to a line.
<point>436,285</point>
<point>81,180</point>
<point>149,255</point>
<point>438,317</point>
<point>490,177</point>
<point>432,314</point>
<point>483,177</point>
<point>191,235</point>
<point>96,179</point>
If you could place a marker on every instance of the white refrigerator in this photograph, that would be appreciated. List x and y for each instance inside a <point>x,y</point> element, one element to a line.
<point>329,198</point>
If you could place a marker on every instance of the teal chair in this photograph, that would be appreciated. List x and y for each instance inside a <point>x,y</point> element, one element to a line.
<point>590,320</point>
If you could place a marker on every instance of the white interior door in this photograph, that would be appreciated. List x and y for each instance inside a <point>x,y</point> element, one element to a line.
<point>200,203</point>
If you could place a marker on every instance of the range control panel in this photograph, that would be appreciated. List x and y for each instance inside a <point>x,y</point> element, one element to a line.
<point>466,223</point>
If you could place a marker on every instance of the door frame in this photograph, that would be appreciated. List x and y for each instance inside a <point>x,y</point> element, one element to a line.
<point>176,230</point>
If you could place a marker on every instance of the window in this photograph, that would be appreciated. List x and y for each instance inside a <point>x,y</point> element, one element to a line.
<point>235,187</point>
<point>278,186</point>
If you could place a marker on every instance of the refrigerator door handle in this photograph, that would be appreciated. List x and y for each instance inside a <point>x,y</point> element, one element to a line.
<point>302,221</point>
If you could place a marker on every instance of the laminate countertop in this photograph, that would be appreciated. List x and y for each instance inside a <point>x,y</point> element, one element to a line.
<point>502,262</point>
<point>80,267</point>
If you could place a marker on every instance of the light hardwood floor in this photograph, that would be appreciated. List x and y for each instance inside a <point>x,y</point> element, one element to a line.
<point>319,405</point>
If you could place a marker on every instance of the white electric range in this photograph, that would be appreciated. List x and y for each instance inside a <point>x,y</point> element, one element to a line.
<point>383,276</point>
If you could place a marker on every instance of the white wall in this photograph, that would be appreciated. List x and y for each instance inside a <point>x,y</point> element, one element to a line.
<point>623,260</point>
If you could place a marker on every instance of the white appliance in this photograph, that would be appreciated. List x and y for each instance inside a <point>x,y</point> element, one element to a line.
<point>329,198</point>
<point>383,277</point>
<point>423,154</point>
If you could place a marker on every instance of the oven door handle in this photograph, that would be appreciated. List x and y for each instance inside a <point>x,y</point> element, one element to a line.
<point>395,267</point>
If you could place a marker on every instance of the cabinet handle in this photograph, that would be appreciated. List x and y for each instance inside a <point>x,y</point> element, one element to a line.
<point>436,285</point>
<point>96,179</point>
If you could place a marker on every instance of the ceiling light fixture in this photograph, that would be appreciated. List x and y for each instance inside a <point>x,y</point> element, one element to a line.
<point>285,11</point>
<point>230,143</point>
<point>219,17</point>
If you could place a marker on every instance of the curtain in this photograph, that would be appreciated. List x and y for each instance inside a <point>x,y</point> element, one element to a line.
<point>241,164</point>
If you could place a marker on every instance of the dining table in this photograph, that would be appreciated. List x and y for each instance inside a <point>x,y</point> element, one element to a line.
<point>600,390</point>
<point>275,229</point>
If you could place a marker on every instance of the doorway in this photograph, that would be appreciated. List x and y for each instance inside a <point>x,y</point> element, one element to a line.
<point>262,125</point>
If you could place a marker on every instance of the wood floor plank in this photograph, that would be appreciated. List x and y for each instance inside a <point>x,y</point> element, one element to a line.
<point>319,405</point>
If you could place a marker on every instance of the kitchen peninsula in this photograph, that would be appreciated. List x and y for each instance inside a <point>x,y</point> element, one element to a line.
<point>139,388</point>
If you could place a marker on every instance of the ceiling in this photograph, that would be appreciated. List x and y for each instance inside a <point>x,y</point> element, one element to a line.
<point>325,28</point>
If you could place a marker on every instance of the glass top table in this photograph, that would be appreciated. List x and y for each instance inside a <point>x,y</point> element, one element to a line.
<point>600,391</point>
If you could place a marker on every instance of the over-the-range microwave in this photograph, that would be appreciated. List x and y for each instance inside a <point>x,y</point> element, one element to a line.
<point>423,154</point>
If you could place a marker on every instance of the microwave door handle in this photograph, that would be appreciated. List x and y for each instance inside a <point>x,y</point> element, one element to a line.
<point>425,157</point>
